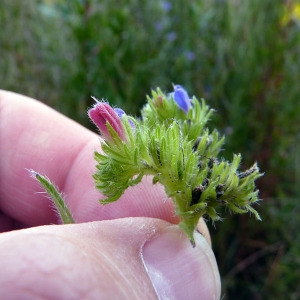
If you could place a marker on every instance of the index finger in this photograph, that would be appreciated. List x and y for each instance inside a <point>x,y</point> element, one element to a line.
<point>34,136</point>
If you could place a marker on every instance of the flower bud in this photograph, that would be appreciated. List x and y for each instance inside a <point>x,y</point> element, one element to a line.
<point>181,97</point>
<point>101,114</point>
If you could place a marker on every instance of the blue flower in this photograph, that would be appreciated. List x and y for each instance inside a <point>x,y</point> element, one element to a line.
<point>120,112</point>
<point>166,6</point>
<point>190,55</point>
<point>159,26</point>
<point>171,36</point>
<point>181,97</point>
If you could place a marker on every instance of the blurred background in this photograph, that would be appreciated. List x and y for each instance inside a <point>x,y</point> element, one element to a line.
<point>243,57</point>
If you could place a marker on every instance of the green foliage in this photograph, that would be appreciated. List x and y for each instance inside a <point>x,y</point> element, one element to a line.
<point>37,54</point>
<point>242,56</point>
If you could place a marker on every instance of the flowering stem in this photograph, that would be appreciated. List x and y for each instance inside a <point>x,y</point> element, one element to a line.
<point>172,143</point>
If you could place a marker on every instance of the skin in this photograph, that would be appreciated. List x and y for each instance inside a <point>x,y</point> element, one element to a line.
<point>83,260</point>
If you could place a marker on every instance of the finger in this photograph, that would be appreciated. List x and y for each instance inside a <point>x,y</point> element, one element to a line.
<point>33,136</point>
<point>132,258</point>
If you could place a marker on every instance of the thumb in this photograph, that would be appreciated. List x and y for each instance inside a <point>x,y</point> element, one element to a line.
<point>179,271</point>
<point>130,258</point>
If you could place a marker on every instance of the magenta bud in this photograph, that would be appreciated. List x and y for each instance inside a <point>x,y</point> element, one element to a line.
<point>101,114</point>
<point>158,101</point>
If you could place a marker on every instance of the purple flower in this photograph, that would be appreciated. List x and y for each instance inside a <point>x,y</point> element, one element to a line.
<point>181,97</point>
<point>101,114</point>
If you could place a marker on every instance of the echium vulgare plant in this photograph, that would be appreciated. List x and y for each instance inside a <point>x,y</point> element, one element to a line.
<point>172,143</point>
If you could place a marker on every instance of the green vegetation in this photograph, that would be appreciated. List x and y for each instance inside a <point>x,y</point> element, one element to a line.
<point>243,57</point>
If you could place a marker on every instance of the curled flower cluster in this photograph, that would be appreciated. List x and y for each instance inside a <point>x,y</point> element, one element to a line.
<point>172,143</point>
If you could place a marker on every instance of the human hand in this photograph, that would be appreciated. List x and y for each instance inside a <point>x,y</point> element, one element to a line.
<point>134,252</point>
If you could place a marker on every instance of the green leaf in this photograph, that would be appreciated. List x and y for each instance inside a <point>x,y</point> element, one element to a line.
<point>57,198</point>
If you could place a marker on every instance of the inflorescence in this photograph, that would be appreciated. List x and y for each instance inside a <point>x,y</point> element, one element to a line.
<point>172,143</point>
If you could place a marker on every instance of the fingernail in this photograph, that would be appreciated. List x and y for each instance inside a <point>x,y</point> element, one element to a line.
<point>179,271</point>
